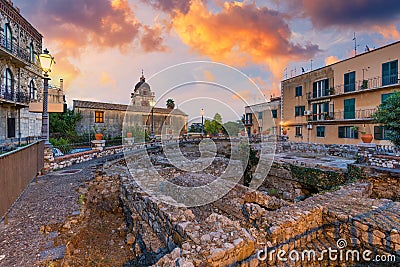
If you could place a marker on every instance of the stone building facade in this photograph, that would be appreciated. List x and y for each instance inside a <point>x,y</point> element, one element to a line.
<point>116,119</point>
<point>21,80</point>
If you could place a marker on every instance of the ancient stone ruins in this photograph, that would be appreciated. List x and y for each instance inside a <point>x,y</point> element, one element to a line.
<point>305,213</point>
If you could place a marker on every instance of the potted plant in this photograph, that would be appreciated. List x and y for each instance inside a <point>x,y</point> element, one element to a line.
<point>99,132</point>
<point>354,129</point>
<point>331,91</point>
<point>364,84</point>
<point>366,137</point>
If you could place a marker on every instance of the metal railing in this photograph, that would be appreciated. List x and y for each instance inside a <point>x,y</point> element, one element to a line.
<point>359,114</point>
<point>17,169</point>
<point>358,86</point>
<point>8,93</point>
<point>13,48</point>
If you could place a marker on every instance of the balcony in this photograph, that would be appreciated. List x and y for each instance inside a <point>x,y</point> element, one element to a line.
<point>7,95</point>
<point>358,86</point>
<point>55,104</point>
<point>359,115</point>
<point>248,122</point>
<point>13,51</point>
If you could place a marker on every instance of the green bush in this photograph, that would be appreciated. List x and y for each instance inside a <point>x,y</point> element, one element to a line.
<point>62,144</point>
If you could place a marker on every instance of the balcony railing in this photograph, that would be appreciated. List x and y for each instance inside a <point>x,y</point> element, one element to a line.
<point>13,48</point>
<point>360,114</point>
<point>13,96</point>
<point>358,86</point>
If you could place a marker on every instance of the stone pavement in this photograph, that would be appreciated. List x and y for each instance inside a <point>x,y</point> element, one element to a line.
<point>48,202</point>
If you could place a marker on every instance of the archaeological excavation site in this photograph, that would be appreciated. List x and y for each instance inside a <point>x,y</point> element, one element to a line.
<point>201,204</point>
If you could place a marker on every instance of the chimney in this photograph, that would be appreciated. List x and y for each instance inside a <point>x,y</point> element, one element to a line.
<point>62,84</point>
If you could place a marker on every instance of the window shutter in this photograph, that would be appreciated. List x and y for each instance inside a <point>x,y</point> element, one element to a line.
<point>341,132</point>
<point>314,90</point>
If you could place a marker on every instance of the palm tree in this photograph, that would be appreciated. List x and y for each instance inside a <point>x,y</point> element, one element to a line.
<point>170,103</point>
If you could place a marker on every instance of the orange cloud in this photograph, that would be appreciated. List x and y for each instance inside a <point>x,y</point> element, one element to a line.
<point>152,39</point>
<point>388,31</point>
<point>240,34</point>
<point>331,60</point>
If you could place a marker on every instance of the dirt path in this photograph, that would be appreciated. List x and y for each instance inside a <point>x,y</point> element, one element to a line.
<point>49,202</point>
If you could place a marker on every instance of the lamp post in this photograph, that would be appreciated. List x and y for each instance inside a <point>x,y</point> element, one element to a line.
<point>202,122</point>
<point>152,104</point>
<point>46,61</point>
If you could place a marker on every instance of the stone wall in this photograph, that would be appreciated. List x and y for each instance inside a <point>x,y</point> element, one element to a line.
<point>312,149</point>
<point>375,156</point>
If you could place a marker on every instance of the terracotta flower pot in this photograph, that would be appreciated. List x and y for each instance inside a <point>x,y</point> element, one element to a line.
<point>367,138</point>
<point>98,136</point>
<point>128,135</point>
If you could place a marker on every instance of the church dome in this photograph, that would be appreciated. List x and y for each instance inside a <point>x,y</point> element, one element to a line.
<point>142,85</point>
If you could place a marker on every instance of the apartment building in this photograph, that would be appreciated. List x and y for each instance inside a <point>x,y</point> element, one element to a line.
<point>263,118</point>
<point>334,104</point>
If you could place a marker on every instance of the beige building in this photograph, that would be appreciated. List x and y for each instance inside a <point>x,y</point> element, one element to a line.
<point>334,104</point>
<point>20,80</point>
<point>263,118</point>
<point>114,117</point>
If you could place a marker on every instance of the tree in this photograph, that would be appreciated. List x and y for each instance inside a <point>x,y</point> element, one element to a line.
<point>213,126</point>
<point>170,103</point>
<point>388,115</point>
<point>63,124</point>
<point>232,128</point>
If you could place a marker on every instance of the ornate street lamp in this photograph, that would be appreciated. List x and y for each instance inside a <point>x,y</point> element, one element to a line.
<point>202,122</point>
<point>46,61</point>
<point>152,104</point>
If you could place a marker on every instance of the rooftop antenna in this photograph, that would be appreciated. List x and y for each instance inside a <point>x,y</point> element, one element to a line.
<point>367,48</point>
<point>355,44</point>
<point>286,73</point>
<point>311,64</point>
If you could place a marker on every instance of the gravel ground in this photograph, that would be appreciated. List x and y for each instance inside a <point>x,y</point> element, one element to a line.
<point>48,202</point>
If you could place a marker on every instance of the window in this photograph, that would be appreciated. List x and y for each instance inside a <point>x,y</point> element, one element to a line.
<point>350,82</point>
<point>99,117</point>
<point>10,127</point>
<point>349,108</point>
<point>299,90</point>
<point>321,110</point>
<point>321,88</point>
<point>320,131</point>
<point>299,111</point>
<point>389,73</point>
<point>249,118</point>
<point>260,115</point>
<point>347,132</point>
<point>299,130</point>
<point>8,82</point>
<point>274,113</point>
<point>380,133</point>
<point>31,53</point>
<point>32,90</point>
<point>385,96</point>
<point>8,37</point>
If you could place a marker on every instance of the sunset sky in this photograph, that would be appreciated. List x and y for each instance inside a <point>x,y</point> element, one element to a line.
<point>101,46</point>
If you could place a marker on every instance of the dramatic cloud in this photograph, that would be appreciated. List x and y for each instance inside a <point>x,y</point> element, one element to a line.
<point>152,39</point>
<point>240,34</point>
<point>170,6</point>
<point>356,13</point>
<point>101,23</point>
